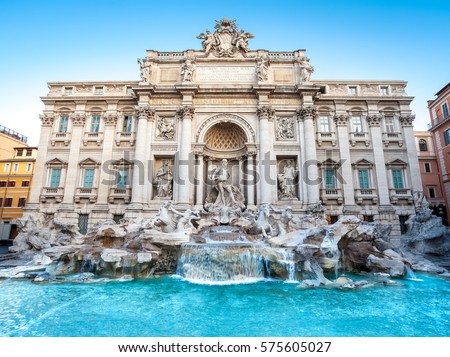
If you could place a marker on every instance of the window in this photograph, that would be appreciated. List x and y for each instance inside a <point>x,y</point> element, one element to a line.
<point>447,137</point>
<point>353,90</point>
<point>6,168</point>
<point>1,201</point>
<point>127,123</point>
<point>88,180</point>
<point>423,145</point>
<point>384,90</point>
<point>122,178</point>
<point>98,90</point>
<point>330,181</point>
<point>83,220</point>
<point>29,166</point>
<point>397,178</point>
<point>15,167</point>
<point>95,124</point>
<point>368,218</point>
<point>22,202</point>
<point>427,167</point>
<point>19,152</point>
<point>445,110</point>
<point>55,177</point>
<point>2,183</point>
<point>25,183</point>
<point>8,202</point>
<point>29,152</point>
<point>129,91</point>
<point>431,192</point>
<point>389,124</point>
<point>63,123</point>
<point>324,123</point>
<point>117,218</point>
<point>363,176</point>
<point>68,90</point>
<point>357,124</point>
<point>12,184</point>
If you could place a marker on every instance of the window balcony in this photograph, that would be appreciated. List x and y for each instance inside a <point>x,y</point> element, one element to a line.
<point>119,193</point>
<point>60,137</point>
<point>54,193</point>
<point>93,137</point>
<point>326,137</point>
<point>125,137</point>
<point>356,137</point>
<point>392,138</point>
<point>331,194</point>
<point>366,194</point>
<point>401,194</point>
<point>83,193</point>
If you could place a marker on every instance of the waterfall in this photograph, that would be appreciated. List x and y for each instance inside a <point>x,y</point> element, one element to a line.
<point>88,264</point>
<point>410,274</point>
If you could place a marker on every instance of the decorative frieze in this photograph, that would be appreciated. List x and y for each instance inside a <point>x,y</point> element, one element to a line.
<point>285,128</point>
<point>165,128</point>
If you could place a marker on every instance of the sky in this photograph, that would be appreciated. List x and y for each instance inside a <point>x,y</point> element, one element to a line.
<point>78,40</point>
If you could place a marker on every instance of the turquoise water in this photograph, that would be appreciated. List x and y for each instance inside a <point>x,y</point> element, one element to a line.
<point>169,306</point>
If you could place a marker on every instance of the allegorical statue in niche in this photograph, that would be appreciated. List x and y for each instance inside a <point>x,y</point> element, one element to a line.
<point>163,181</point>
<point>187,71</point>
<point>166,127</point>
<point>285,128</point>
<point>146,70</point>
<point>286,180</point>
<point>262,69</point>
<point>305,70</point>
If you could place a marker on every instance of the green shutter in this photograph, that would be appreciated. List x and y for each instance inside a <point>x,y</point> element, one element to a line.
<point>363,179</point>
<point>55,177</point>
<point>329,178</point>
<point>88,178</point>
<point>397,177</point>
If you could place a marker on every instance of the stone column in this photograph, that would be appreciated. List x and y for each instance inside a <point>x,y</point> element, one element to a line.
<point>374,121</point>
<point>265,113</point>
<point>310,170</point>
<point>70,185</point>
<point>241,175</point>
<point>303,189</point>
<point>105,180</point>
<point>250,180</point>
<point>406,122</point>
<point>186,112</point>
<point>148,164</point>
<point>348,188</point>
<point>139,171</point>
<point>200,182</point>
<point>40,167</point>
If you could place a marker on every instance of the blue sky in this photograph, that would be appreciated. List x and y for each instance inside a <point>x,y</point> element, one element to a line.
<point>44,41</point>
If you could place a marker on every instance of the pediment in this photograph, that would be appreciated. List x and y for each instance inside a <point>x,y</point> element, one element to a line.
<point>56,162</point>
<point>363,162</point>
<point>397,162</point>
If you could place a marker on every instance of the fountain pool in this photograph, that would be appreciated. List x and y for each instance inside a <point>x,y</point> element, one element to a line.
<point>170,306</point>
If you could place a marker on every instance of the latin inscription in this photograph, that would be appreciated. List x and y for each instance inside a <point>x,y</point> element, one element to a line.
<point>221,74</point>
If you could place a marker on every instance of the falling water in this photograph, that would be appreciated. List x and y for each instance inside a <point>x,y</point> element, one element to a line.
<point>410,274</point>
<point>88,264</point>
<point>288,261</point>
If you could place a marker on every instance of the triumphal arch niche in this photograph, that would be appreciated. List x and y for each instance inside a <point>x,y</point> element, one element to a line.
<point>226,126</point>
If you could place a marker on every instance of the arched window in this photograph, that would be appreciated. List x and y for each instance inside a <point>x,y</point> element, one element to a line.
<point>423,145</point>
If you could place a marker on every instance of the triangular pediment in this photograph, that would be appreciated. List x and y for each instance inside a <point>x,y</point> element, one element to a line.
<point>56,162</point>
<point>363,162</point>
<point>122,162</point>
<point>330,162</point>
<point>397,162</point>
<point>88,162</point>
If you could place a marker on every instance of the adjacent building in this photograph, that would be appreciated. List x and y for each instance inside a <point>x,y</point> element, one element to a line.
<point>9,140</point>
<point>118,149</point>
<point>439,128</point>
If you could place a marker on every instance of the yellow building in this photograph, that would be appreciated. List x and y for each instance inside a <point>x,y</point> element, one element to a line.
<point>16,174</point>
<point>10,139</point>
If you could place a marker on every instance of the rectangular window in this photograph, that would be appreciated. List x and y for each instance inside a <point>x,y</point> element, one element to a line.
<point>431,192</point>
<point>117,218</point>
<point>19,152</point>
<point>68,90</point>
<point>98,90</point>
<point>12,184</point>
<point>63,124</point>
<point>357,124</point>
<point>363,176</point>
<point>384,90</point>
<point>324,123</point>
<point>447,137</point>
<point>83,220</point>
<point>25,183</point>
<point>397,178</point>
<point>29,152</point>
<point>2,183</point>
<point>389,124</point>
<point>127,124</point>
<point>330,181</point>
<point>55,176</point>
<point>353,90</point>
<point>15,167</point>
<point>88,181</point>
<point>1,201</point>
<point>427,167</point>
<point>6,168</point>
<point>95,124</point>
<point>445,110</point>
<point>8,202</point>
<point>129,91</point>
<point>22,202</point>
<point>29,167</point>
<point>122,178</point>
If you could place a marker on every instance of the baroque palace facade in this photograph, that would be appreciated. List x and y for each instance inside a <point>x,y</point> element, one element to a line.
<point>118,149</point>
